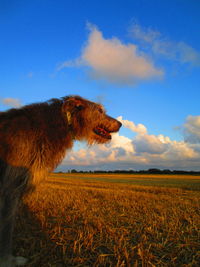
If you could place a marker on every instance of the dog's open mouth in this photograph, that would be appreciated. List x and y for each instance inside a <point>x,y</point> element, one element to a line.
<point>102,132</point>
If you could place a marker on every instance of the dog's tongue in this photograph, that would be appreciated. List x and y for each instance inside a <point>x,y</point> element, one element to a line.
<point>102,132</point>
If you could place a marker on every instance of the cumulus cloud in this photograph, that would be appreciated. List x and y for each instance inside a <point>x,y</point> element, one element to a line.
<point>11,102</point>
<point>114,61</point>
<point>192,129</point>
<point>141,151</point>
<point>181,151</point>
<point>119,148</point>
<point>140,128</point>
<point>120,141</point>
<point>159,45</point>
<point>150,144</point>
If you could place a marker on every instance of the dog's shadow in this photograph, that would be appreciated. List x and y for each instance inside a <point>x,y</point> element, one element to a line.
<point>31,242</point>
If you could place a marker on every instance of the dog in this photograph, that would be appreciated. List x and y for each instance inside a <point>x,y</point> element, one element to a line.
<point>33,141</point>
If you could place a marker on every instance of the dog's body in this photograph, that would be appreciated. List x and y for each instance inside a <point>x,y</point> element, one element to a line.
<point>33,141</point>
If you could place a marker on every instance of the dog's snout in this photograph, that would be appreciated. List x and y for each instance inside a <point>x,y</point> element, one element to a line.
<point>119,124</point>
<point>114,125</point>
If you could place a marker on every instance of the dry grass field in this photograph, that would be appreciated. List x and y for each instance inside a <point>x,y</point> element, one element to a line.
<point>111,220</point>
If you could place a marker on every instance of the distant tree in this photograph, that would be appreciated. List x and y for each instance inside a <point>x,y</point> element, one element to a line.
<point>166,171</point>
<point>154,171</point>
<point>179,172</point>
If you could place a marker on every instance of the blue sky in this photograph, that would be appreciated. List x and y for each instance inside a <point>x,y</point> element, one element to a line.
<point>141,59</point>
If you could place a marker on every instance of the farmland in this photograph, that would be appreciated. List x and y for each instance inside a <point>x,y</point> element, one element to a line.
<point>111,220</point>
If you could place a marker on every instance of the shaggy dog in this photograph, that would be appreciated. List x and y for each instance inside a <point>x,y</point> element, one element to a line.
<point>33,141</point>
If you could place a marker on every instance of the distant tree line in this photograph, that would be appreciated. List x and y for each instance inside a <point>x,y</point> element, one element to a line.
<point>149,171</point>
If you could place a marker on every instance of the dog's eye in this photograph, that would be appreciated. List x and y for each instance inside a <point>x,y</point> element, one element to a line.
<point>101,110</point>
<point>79,107</point>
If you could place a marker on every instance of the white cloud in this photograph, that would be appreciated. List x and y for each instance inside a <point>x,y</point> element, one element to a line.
<point>114,61</point>
<point>150,144</point>
<point>119,141</point>
<point>141,151</point>
<point>159,45</point>
<point>181,151</point>
<point>192,129</point>
<point>119,148</point>
<point>148,35</point>
<point>11,102</point>
<point>140,128</point>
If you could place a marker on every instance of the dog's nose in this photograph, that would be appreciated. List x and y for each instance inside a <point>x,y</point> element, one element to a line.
<point>120,124</point>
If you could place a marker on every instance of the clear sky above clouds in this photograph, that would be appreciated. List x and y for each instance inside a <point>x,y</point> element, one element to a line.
<point>141,59</point>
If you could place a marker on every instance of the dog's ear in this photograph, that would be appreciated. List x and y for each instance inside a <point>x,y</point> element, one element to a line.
<point>71,106</point>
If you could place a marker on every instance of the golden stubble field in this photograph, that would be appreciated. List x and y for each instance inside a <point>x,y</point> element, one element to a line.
<point>111,220</point>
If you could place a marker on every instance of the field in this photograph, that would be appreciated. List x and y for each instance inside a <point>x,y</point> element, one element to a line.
<point>111,220</point>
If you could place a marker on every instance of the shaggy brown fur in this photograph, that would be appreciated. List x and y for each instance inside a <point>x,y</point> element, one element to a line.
<point>33,141</point>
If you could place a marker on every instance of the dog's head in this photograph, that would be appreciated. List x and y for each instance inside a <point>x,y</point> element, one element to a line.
<point>88,120</point>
